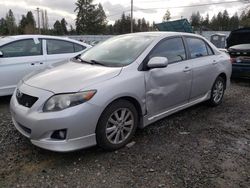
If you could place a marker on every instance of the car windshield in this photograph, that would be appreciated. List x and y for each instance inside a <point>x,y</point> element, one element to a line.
<point>118,51</point>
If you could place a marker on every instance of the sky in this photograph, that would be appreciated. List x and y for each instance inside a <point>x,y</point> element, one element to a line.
<point>151,10</point>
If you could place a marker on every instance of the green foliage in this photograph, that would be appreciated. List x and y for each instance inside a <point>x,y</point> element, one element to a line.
<point>11,23</point>
<point>167,16</point>
<point>245,19</point>
<point>64,26</point>
<point>58,29</point>
<point>3,27</point>
<point>27,24</point>
<point>220,22</point>
<point>91,18</point>
<point>123,24</point>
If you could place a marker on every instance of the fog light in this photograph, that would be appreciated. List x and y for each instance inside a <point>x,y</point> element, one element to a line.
<point>59,134</point>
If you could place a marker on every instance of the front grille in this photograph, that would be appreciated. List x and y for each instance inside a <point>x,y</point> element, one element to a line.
<point>25,100</point>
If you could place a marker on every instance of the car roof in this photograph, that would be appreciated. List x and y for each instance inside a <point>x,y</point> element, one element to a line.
<point>5,40</point>
<point>163,34</point>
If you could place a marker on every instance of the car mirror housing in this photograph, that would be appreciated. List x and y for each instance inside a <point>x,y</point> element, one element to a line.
<point>158,62</point>
<point>1,54</point>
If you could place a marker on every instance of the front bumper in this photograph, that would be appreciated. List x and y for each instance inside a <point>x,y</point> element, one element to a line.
<point>240,70</point>
<point>79,121</point>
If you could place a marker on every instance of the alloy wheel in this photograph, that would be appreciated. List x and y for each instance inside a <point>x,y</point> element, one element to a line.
<point>218,91</point>
<point>119,126</point>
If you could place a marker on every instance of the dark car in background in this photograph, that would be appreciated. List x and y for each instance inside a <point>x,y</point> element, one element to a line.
<point>238,44</point>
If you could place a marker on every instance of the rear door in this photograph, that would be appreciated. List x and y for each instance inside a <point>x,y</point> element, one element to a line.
<point>204,65</point>
<point>61,50</point>
<point>19,59</point>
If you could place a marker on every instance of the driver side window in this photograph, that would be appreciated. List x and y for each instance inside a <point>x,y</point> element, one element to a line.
<point>173,49</point>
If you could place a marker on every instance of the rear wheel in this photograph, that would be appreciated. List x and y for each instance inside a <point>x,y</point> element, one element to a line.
<point>217,92</point>
<point>117,125</point>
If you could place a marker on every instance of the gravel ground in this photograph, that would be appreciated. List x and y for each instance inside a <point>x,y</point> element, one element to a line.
<point>197,147</point>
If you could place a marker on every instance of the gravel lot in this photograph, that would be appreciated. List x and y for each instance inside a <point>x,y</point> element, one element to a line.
<point>197,147</point>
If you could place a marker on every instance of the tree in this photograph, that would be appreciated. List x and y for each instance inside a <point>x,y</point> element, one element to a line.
<point>100,21</point>
<point>3,27</point>
<point>206,22</point>
<point>225,20</point>
<point>58,29</point>
<point>196,20</point>
<point>91,18</point>
<point>167,16</point>
<point>11,23</point>
<point>234,22</point>
<point>245,19</point>
<point>27,24</point>
<point>64,26</point>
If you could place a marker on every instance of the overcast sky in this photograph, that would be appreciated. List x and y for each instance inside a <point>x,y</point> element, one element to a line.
<point>57,9</point>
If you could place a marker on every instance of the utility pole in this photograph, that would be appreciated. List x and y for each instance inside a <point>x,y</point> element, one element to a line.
<point>38,20</point>
<point>132,16</point>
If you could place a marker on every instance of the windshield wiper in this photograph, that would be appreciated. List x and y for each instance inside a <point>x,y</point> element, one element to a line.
<point>82,60</point>
<point>94,62</point>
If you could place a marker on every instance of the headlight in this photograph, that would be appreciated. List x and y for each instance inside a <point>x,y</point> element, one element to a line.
<point>63,101</point>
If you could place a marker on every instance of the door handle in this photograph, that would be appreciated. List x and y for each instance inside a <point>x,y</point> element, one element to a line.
<point>36,63</point>
<point>187,69</point>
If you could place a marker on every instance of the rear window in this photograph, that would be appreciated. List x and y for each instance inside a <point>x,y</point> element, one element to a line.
<point>59,47</point>
<point>198,48</point>
<point>78,47</point>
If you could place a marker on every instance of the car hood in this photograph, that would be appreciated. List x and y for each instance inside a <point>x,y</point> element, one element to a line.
<point>71,77</point>
<point>240,47</point>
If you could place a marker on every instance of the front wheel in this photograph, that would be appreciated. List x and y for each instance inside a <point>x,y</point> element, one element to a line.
<point>116,125</point>
<point>217,92</point>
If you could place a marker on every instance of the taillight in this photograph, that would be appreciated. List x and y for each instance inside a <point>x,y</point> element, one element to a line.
<point>233,60</point>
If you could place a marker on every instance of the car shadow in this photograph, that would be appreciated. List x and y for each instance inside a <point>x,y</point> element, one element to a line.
<point>5,100</point>
<point>245,82</point>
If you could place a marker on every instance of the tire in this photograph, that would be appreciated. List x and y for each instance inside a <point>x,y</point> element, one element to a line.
<point>112,132</point>
<point>217,92</point>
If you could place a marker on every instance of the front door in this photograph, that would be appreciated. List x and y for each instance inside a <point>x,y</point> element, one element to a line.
<point>168,87</point>
<point>19,59</point>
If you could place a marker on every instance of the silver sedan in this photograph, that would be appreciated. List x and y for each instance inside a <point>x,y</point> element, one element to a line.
<point>122,84</point>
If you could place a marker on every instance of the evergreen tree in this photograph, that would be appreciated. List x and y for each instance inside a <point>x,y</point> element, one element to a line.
<point>11,23</point>
<point>58,29</point>
<point>167,16</point>
<point>3,27</point>
<point>196,20</point>
<point>234,22</point>
<point>245,19</point>
<point>64,26</point>
<point>225,20</point>
<point>91,18</point>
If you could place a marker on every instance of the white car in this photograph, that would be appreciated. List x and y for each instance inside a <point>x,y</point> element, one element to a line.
<point>23,54</point>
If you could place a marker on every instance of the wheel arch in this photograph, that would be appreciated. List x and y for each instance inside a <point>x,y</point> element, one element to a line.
<point>132,100</point>
<point>224,76</point>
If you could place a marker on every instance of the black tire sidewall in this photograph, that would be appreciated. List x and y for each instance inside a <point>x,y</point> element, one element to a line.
<point>101,138</point>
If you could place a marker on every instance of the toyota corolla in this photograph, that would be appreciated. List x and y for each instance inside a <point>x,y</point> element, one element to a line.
<point>122,84</point>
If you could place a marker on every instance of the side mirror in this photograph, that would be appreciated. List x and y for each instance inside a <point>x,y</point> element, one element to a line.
<point>158,62</point>
<point>1,54</point>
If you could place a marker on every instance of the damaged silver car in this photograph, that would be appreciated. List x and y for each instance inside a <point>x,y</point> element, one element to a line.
<point>122,84</point>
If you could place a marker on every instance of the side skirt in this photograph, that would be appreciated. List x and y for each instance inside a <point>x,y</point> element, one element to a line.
<point>148,120</point>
